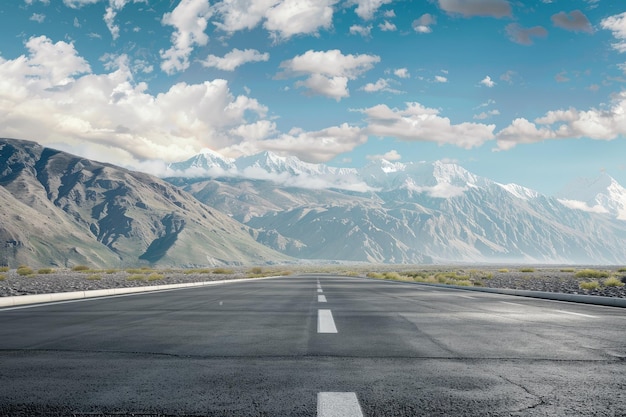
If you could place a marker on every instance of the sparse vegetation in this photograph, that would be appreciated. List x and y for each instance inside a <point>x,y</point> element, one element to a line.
<point>223,271</point>
<point>155,276</point>
<point>24,270</point>
<point>198,271</point>
<point>619,270</point>
<point>80,268</point>
<point>136,277</point>
<point>613,282</point>
<point>527,270</point>
<point>257,270</point>
<point>591,273</point>
<point>589,285</point>
<point>94,277</point>
<point>4,269</point>
<point>568,270</point>
<point>503,270</point>
<point>3,277</point>
<point>45,271</point>
<point>111,271</point>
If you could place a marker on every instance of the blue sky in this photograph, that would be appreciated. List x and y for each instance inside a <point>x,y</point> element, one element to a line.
<point>524,92</point>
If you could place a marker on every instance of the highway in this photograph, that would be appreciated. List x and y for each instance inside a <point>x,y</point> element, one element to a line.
<point>313,345</point>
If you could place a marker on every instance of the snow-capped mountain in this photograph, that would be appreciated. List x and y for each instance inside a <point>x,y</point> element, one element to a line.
<point>411,213</point>
<point>602,194</point>
<point>206,162</point>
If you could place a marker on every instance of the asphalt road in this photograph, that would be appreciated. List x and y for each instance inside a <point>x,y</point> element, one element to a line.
<point>313,345</point>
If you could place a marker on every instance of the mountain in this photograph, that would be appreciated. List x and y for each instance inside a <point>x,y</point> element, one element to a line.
<point>60,209</point>
<point>412,213</point>
<point>601,195</point>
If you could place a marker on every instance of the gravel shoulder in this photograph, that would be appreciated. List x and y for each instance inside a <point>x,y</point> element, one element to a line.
<point>549,279</point>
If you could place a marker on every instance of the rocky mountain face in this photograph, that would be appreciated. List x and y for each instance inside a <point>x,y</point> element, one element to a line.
<point>413,213</point>
<point>60,209</point>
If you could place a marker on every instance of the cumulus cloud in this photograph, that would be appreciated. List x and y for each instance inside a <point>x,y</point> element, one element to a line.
<point>423,23</point>
<point>440,79</point>
<point>469,8</point>
<point>367,8</point>
<point>234,59</point>
<point>419,123</point>
<point>401,73</point>
<point>575,21</point>
<point>75,4</point>
<point>364,31</point>
<point>309,146</point>
<point>597,124</point>
<point>189,20</point>
<point>486,114</point>
<point>52,96</point>
<point>380,85</point>
<point>328,72</point>
<point>387,26</point>
<point>524,36</point>
<point>487,82</point>
<point>38,17</point>
<point>392,155</point>
<point>282,18</point>
<point>617,25</point>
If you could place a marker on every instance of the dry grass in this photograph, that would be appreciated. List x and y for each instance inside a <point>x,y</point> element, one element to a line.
<point>45,271</point>
<point>589,285</point>
<point>4,269</point>
<point>223,271</point>
<point>80,268</point>
<point>24,271</point>
<point>3,277</point>
<point>591,273</point>
<point>527,270</point>
<point>613,282</point>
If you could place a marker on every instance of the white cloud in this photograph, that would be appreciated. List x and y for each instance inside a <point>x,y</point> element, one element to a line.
<point>189,20</point>
<point>581,205</point>
<point>332,87</point>
<point>51,95</point>
<point>283,18</point>
<point>401,73</point>
<point>29,2</point>
<point>440,79</point>
<point>423,23</point>
<point>508,76</point>
<point>367,8</point>
<point>597,124</point>
<point>524,36</point>
<point>38,17</point>
<point>380,85</point>
<point>617,25</point>
<point>328,71</point>
<point>315,147</point>
<point>387,26</point>
<point>235,58</point>
<point>392,155</point>
<point>419,123</point>
<point>111,13</point>
<point>295,17</point>
<point>486,114</point>
<point>487,82</point>
<point>364,31</point>
<point>575,21</point>
<point>389,14</point>
<point>469,8</point>
<point>75,4</point>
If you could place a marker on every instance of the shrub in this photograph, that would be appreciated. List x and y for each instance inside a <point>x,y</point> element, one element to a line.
<point>223,271</point>
<point>137,271</point>
<point>94,277</point>
<point>619,270</point>
<point>591,273</point>
<point>256,270</point>
<point>613,282</point>
<point>110,271</point>
<point>24,270</point>
<point>80,268</point>
<point>45,271</point>
<point>197,271</point>
<point>3,277</point>
<point>155,276</point>
<point>567,270</point>
<point>4,269</point>
<point>589,285</point>
<point>527,270</point>
<point>374,275</point>
<point>136,277</point>
<point>503,270</point>
<point>478,284</point>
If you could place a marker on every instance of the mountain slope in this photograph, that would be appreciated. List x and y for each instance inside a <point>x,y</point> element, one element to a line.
<point>60,209</point>
<point>415,212</point>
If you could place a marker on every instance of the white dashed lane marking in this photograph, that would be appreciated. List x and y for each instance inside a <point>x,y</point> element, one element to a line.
<point>319,290</point>
<point>338,404</point>
<point>576,314</point>
<point>321,298</point>
<point>325,322</point>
